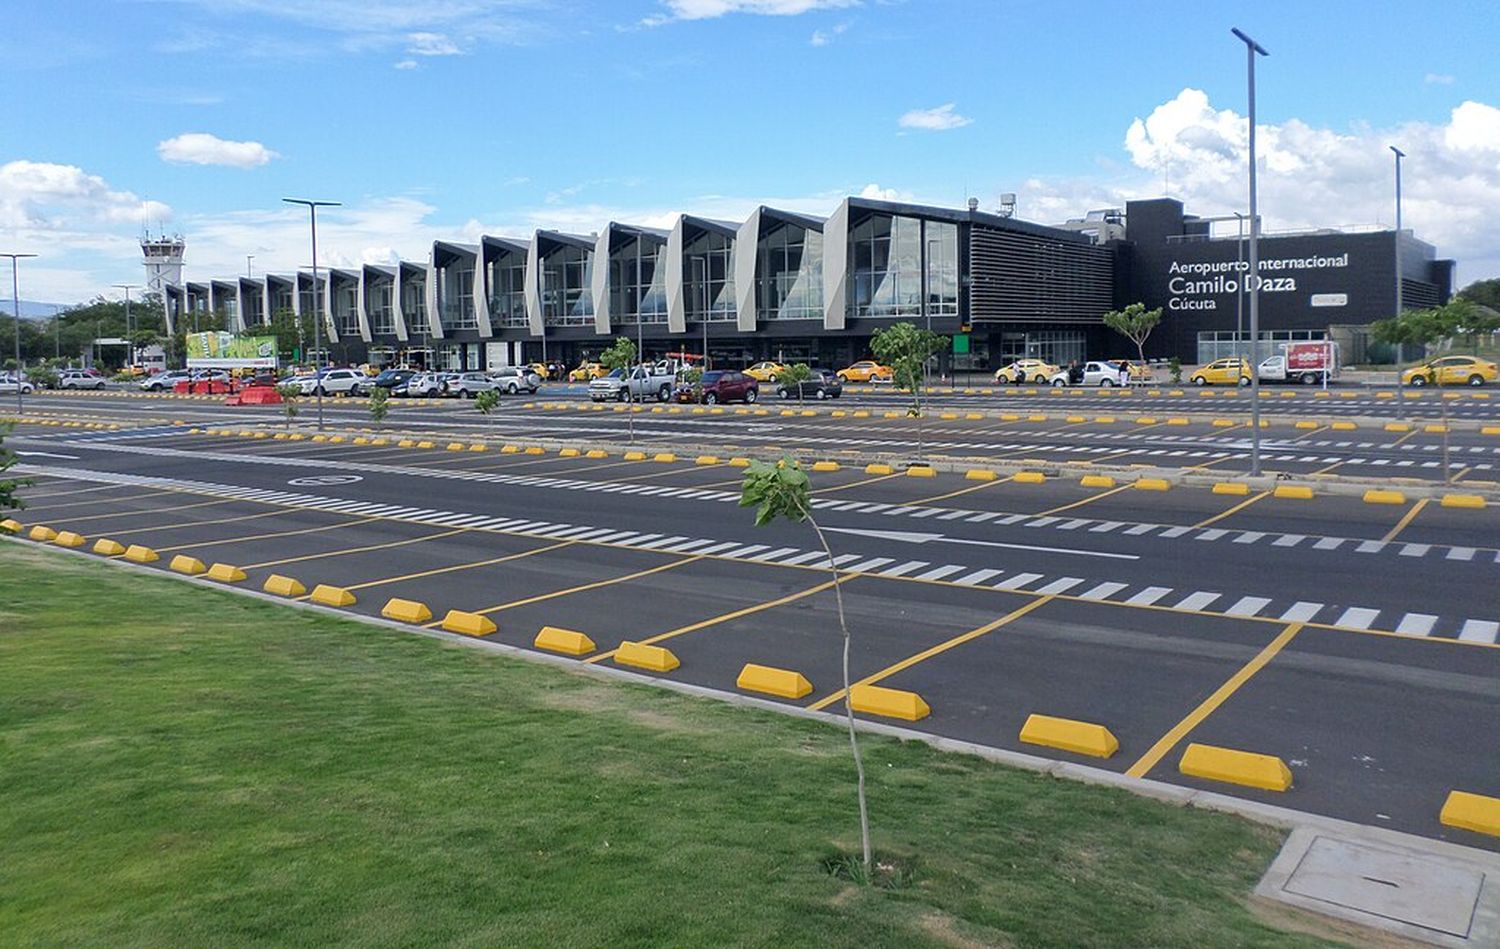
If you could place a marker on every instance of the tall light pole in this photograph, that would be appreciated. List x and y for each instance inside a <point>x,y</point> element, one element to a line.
<point>1239,293</point>
<point>129,343</point>
<point>1252,49</point>
<point>57,332</point>
<point>312,209</point>
<point>15,301</point>
<point>248,271</point>
<point>1400,395</point>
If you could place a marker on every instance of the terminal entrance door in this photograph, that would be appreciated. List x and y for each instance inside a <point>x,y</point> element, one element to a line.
<point>1057,347</point>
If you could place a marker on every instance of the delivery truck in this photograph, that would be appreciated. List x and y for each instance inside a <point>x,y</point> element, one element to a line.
<point>1312,362</point>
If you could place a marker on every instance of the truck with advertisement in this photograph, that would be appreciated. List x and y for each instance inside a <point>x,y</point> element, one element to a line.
<point>1314,362</point>
<point>219,350</point>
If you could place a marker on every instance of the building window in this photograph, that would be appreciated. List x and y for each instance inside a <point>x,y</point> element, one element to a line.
<point>566,298</point>
<point>507,279</point>
<point>1221,344</point>
<point>790,274</point>
<point>708,278</point>
<point>893,257</point>
<point>382,314</point>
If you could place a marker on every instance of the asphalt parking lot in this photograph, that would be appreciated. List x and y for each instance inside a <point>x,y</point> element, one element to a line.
<point>1355,641</point>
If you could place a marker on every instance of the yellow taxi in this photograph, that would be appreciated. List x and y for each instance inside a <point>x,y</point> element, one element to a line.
<point>766,370</point>
<point>587,372</point>
<point>540,368</point>
<point>866,370</point>
<point>1224,372</point>
<point>1451,371</point>
<point>1026,370</point>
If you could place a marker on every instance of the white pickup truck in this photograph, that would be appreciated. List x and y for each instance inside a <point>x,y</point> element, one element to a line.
<point>644,382</point>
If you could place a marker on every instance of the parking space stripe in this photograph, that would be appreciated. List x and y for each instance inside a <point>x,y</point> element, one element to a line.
<point>1196,601</point>
<point>1406,519</point>
<point>1416,624</point>
<point>939,649</point>
<point>1247,606</point>
<point>1088,500</point>
<point>1102,591</point>
<point>1060,585</point>
<point>1016,581</point>
<point>182,525</point>
<point>267,536</point>
<point>1208,706</point>
<point>867,565</point>
<point>1301,611</point>
<point>457,567</point>
<point>156,510</point>
<point>1357,617</point>
<point>1479,631</point>
<point>977,577</point>
<point>936,574</point>
<point>1233,509</point>
<point>594,585</point>
<point>1148,596</point>
<point>903,569</point>
<point>328,554</point>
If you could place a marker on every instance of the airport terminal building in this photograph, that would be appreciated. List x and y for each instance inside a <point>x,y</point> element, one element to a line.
<point>797,287</point>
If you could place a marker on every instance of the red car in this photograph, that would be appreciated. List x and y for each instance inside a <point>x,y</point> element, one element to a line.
<point>722,386</point>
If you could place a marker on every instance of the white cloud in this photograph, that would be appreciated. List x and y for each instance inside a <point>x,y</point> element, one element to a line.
<point>1310,177</point>
<point>937,119</point>
<point>1438,79</point>
<point>878,193</point>
<point>431,44</point>
<point>407,64</point>
<point>201,148</point>
<point>824,37</point>
<point>711,9</point>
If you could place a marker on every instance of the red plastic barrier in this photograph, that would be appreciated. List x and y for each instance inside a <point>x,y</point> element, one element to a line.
<point>255,395</point>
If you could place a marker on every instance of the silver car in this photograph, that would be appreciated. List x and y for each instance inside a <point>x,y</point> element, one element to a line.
<point>79,379</point>
<point>9,384</point>
<point>515,379</point>
<point>467,385</point>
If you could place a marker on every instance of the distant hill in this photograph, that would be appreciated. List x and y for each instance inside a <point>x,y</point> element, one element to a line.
<point>32,309</point>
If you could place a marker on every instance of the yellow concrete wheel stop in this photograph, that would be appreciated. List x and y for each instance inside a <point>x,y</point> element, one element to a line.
<point>878,468</point>
<point>136,553</point>
<point>331,595</point>
<point>1267,772</point>
<point>225,573</point>
<point>784,683</point>
<point>42,533</point>
<point>980,474</point>
<point>1474,812</point>
<point>1235,488</point>
<point>283,586</point>
<point>1029,477</point>
<point>69,539</point>
<point>191,566</point>
<point>890,703</point>
<point>470,624</point>
<point>406,611</point>
<point>642,656</point>
<point>566,641</point>
<point>109,548</point>
<point>1084,738</point>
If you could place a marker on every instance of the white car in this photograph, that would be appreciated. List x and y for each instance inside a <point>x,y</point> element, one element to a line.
<point>79,379</point>
<point>424,385</point>
<point>1095,373</point>
<point>164,381</point>
<point>9,385</point>
<point>333,382</point>
<point>469,384</point>
<point>514,379</point>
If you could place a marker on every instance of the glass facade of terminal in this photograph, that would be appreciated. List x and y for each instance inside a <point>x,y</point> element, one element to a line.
<point>789,274</point>
<point>897,262</point>
<point>708,277</point>
<point>506,277</point>
<point>638,282</point>
<point>566,274</point>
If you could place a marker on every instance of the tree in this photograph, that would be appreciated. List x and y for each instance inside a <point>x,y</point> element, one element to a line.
<point>9,486</point>
<point>289,396</point>
<point>782,491</point>
<point>486,403</point>
<point>380,404</point>
<point>1483,292</point>
<point>907,350</point>
<point>621,355</point>
<point>1135,323</point>
<point>793,377</point>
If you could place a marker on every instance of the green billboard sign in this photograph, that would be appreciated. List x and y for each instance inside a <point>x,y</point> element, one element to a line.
<point>216,350</point>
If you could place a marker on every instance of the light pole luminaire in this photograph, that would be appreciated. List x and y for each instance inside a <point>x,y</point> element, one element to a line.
<point>15,300</point>
<point>312,208</point>
<point>1252,49</point>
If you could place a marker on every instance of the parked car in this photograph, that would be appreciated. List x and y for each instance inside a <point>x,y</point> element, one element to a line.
<point>1233,370</point>
<point>643,382</point>
<point>9,384</point>
<point>587,372</point>
<point>333,382</point>
<point>391,378</point>
<point>1026,370</point>
<point>79,379</point>
<point>447,379</point>
<point>1095,372</point>
<point>824,384</point>
<point>866,370</point>
<point>767,370</point>
<point>423,385</point>
<point>1451,371</point>
<point>467,385</point>
<point>515,379</point>
<point>727,385</point>
<point>164,381</point>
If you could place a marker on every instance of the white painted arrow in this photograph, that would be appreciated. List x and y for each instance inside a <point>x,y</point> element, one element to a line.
<point>920,537</point>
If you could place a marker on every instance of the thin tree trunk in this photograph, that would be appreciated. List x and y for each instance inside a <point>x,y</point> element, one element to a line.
<point>859,764</point>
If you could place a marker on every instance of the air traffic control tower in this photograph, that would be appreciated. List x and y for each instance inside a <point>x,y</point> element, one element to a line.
<point>163,258</point>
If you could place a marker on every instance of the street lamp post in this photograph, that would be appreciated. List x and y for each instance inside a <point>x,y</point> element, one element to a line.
<point>15,301</point>
<point>1239,293</point>
<point>129,343</point>
<point>57,332</point>
<point>1400,395</point>
<point>1253,48</point>
<point>312,208</point>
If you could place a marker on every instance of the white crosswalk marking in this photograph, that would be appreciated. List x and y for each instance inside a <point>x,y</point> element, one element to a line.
<point>1416,624</point>
<point>1479,631</point>
<point>1288,540</point>
<point>801,559</point>
<point>904,568</point>
<point>1247,606</point>
<point>1105,526</point>
<point>1329,543</point>
<point>1301,611</point>
<point>1044,521</point>
<point>1462,553</point>
<point>663,542</point>
<point>1248,537</point>
<point>1060,585</point>
<point>1140,529</point>
<point>868,565</point>
<point>1074,524</point>
<point>1415,550</point>
<point>1017,581</point>
<point>1102,591</point>
<point>1197,601</point>
<point>940,572</point>
<point>978,576</point>
<point>1370,547</point>
<point>1357,617</point>
<point>1212,533</point>
<point>1148,596</point>
<point>1177,531</point>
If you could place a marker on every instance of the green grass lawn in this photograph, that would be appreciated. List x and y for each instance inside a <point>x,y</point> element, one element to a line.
<point>183,766</point>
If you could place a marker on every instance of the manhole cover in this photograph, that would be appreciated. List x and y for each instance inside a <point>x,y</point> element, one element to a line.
<point>1407,888</point>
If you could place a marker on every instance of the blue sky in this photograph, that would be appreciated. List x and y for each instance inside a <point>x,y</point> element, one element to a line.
<point>449,118</point>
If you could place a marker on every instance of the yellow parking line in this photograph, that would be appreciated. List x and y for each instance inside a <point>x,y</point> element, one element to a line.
<point>1406,519</point>
<point>1240,506</point>
<point>940,648</point>
<point>1329,468</point>
<point>325,555</point>
<point>861,483</point>
<point>1088,500</point>
<point>62,494</point>
<point>355,522</point>
<point>672,471</point>
<point>1462,472</point>
<point>960,491</point>
<point>462,566</point>
<point>160,510</point>
<point>1207,707</point>
<point>220,520</point>
<point>589,586</point>
<point>736,614</point>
